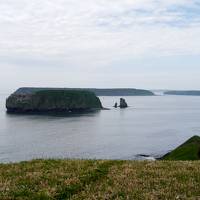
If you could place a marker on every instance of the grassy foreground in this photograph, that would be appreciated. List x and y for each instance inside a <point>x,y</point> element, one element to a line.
<point>96,179</point>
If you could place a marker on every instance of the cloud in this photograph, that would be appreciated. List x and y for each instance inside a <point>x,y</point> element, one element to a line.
<point>74,28</point>
<point>94,35</point>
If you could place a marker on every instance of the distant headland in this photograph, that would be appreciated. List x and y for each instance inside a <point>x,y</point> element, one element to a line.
<point>183,92</point>
<point>98,92</point>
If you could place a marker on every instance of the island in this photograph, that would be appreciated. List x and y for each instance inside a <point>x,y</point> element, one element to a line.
<point>98,92</point>
<point>186,92</point>
<point>52,100</point>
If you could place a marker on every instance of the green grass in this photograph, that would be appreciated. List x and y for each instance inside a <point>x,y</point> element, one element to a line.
<point>100,179</point>
<point>190,150</point>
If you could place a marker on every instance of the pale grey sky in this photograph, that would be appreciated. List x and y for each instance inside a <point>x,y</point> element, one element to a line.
<point>100,43</point>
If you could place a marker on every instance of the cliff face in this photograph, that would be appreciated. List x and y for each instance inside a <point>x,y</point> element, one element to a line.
<point>53,100</point>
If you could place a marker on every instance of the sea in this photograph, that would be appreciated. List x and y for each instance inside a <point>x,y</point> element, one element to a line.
<point>150,127</point>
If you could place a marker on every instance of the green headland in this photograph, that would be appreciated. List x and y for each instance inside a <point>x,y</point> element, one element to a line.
<point>190,150</point>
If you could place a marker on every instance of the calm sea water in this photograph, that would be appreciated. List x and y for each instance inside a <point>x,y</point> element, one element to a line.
<point>151,125</point>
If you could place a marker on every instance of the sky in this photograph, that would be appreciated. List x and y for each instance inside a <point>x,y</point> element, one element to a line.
<point>150,44</point>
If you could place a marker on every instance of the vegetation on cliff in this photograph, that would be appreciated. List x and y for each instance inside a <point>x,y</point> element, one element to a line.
<point>98,179</point>
<point>53,100</point>
<point>190,150</point>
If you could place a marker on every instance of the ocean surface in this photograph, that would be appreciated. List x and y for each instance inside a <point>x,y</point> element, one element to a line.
<point>151,126</point>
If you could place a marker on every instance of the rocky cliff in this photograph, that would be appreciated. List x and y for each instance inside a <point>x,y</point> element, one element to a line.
<point>53,101</point>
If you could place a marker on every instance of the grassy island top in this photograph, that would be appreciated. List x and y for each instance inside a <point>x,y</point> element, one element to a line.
<point>100,179</point>
<point>70,96</point>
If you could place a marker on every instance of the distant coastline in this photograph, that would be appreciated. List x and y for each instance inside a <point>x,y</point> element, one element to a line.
<point>97,91</point>
<point>183,92</point>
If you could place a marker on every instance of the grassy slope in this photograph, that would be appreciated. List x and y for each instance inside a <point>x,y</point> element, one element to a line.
<point>190,150</point>
<point>68,179</point>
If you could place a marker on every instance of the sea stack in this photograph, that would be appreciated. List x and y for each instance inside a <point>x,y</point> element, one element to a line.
<point>115,106</point>
<point>52,100</point>
<point>123,103</point>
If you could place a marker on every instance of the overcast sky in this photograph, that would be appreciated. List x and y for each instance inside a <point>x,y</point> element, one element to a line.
<point>148,44</point>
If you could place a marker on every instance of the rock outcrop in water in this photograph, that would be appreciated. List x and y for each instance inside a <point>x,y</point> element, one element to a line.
<point>53,101</point>
<point>115,105</point>
<point>123,103</point>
